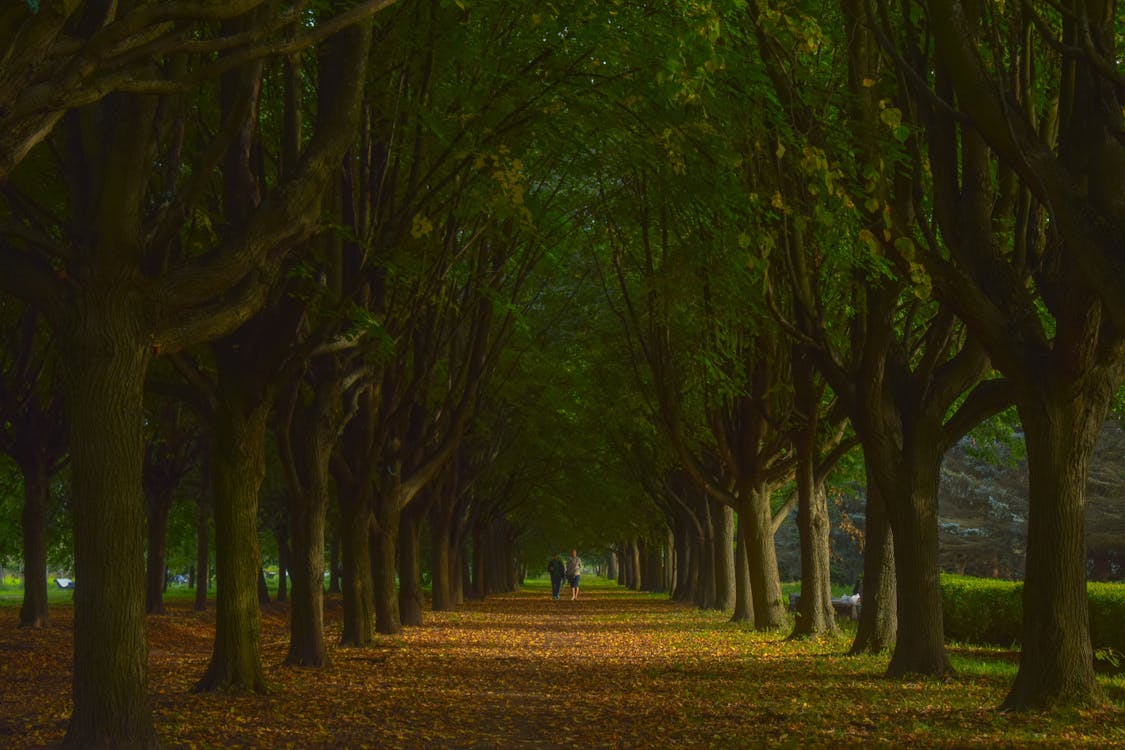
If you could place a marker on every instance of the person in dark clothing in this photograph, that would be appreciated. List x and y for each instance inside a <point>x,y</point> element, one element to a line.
<point>557,570</point>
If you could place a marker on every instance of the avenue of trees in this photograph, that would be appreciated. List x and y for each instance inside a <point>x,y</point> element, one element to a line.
<point>424,291</point>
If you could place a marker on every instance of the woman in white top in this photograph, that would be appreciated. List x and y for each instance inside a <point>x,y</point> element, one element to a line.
<point>573,572</point>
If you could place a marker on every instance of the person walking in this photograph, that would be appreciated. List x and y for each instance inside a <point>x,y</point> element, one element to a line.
<point>573,572</point>
<point>556,570</point>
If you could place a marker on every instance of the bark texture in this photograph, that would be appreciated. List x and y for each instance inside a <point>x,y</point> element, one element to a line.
<point>722,519</point>
<point>878,615</point>
<point>384,555</point>
<point>238,468</point>
<point>410,571</point>
<point>36,501</point>
<point>356,582</point>
<point>743,588</point>
<point>1057,660</point>
<point>104,386</point>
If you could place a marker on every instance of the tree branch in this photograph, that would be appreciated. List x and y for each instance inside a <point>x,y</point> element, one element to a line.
<point>286,217</point>
<point>81,72</point>
<point>985,400</point>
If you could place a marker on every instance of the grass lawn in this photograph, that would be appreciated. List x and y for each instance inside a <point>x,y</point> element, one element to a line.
<point>11,593</point>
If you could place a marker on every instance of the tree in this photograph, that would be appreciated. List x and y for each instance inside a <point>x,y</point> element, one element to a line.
<point>905,372</point>
<point>32,432</point>
<point>170,448</point>
<point>322,397</point>
<point>68,55</point>
<point>1031,288</point>
<point>119,290</point>
<point>816,455</point>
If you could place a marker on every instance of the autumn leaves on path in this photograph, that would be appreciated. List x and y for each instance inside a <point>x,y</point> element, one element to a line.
<point>612,669</point>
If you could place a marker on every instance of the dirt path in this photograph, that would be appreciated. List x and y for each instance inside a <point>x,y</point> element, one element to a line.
<point>614,669</point>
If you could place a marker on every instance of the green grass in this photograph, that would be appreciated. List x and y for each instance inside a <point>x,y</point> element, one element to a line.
<point>794,587</point>
<point>11,592</point>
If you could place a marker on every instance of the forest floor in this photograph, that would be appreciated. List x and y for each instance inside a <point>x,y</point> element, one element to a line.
<point>614,669</point>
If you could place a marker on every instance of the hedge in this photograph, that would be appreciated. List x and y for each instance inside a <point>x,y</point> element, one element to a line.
<point>990,611</point>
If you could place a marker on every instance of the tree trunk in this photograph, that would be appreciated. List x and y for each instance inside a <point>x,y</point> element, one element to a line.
<point>699,579</point>
<point>458,553</point>
<point>410,572</point>
<point>878,619</point>
<point>355,551</point>
<point>656,568</point>
<point>495,567</point>
<point>743,595</point>
<point>103,388</point>
<point>238,464</point>
<point>442,568</point>
<point>307,513</point>
<point>765,583</point>
<point>36,499</point>
<point>309,439</point>
<point>815,615</point>
<point>354,469</point>
<point>512,557</point>
<point>633,572</point>
<point>635,564</point>
<point>202,555</point>
<point>671,562</point>
<point>284,561</point>
<point>478,563</point>
<point>920,638</point>
<point>499,564</point>
<point>722,518</point>
<point>622,564</point>
<point>155,574</point>
<point>627,574</point>
<point>487,571</point>
<point>462,581</point>
<point>644,564</point>
<point>682,587</point>
<point>383,556</point>
<point>687,574</point>
<point>611,571</point>
<point>263,588</point>
<point>334,565</point>
<point>707,597</point>
<point>644,571</point>
<point>1056,655</point>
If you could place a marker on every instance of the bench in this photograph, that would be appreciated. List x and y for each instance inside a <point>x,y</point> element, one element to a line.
<point>845,606</point>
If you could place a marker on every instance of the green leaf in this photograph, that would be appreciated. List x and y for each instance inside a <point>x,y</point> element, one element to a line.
<point>892,117</point>
<point>905,246</point>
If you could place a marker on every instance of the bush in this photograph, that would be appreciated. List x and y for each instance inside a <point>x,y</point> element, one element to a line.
<point>1107,613</point>
<point>982,610</point>
<point>989,611</point>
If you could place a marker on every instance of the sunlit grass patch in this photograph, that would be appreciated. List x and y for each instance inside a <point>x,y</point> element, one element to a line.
<point>984,662</point>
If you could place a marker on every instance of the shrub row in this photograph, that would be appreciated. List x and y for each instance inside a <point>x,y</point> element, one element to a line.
<point>988,611</point>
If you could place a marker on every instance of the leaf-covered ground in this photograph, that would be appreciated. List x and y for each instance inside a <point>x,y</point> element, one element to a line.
<point>613,669</point>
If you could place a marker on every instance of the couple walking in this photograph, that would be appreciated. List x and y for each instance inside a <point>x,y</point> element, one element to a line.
<point>572,570</point>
